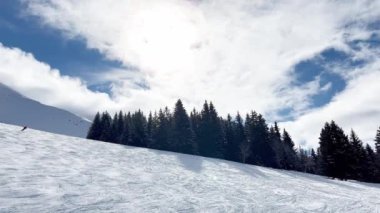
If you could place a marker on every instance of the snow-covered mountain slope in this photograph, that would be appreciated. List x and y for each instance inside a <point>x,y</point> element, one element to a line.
<point>43,172</point>
<point>19,110</point>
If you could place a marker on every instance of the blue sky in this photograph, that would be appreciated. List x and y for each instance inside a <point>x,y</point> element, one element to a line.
<point>295,62</point>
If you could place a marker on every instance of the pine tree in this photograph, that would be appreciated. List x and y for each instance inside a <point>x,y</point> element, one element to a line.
<point>106,122</point>
<point>314,162</point>
<point>334,148</point>
<point>377,141</point>
<point>244,148</point>
<point>138,132</point>
<point>210,136</point>
<point>150,129</point>
<point>183,135</point>
<point>229,137</point>
<point>377,157</point>
<point>125,137</point>
<point>119,127</point>
<point>96,129</point>
<point>113,130</point>
<point>370,171</point>
<point>258,137</point>
<point>277,146</point>
<point>290,155</point>
<point>357,157</point>
<point>161,132</point>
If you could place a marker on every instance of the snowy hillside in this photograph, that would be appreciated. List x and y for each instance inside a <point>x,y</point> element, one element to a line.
<point>18,110</point>
<point>43,172</point>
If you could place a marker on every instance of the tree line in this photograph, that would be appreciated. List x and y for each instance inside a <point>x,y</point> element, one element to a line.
<point>250,140</point>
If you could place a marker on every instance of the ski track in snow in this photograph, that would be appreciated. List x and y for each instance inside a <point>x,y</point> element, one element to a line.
<point>44,172</point>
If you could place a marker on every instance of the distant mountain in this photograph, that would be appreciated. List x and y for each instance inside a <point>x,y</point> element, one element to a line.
<point>19,110</point>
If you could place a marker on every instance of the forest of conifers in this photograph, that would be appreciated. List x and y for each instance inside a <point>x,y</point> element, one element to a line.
<point>247,140</point>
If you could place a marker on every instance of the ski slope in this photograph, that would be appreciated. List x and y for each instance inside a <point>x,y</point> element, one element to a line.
<point>18,110</point>
<point>44,172</point>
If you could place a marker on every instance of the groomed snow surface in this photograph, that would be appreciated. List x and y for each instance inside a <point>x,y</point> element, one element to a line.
<point>44,172</point>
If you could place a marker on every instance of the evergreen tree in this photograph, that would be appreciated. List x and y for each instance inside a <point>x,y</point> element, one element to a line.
<point>183,135</point>
<point>357,158</point>
<point>244,148</point>
<point>161,132</point>
<point>258,137</point>
<point>377,157</point>
<point>314,162</point>
<point>210,136</point>
<point>150,129</point>
<point>119,127</point>
<point>96,129</point>
<point>106,124</point>
<point>113,130</point>
<point>370,171</point>
<point>229,137</point>
<point>138,128</point>
<point>277,146</point>
<point>334,148</point>
<point>290,155</point>
<point>125,137</point>
<point>377,141</point>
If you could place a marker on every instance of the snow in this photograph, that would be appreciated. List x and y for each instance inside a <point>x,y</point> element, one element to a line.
<point>44,172</point>
<point>19,110</point>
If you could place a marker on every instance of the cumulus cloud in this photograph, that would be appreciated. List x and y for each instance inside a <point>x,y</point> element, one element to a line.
<point>356,108</point>
<point>240,54</point>
<point>38,81</point>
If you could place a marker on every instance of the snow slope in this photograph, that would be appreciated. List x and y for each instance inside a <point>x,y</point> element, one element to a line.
<point>19,110</point>
<point>43,172</point>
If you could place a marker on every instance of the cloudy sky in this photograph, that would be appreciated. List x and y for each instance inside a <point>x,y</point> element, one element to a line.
<point>301,63</point>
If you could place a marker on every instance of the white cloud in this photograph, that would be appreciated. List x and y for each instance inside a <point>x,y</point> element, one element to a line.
<point>356,108</point>
<point>240,54</point>
<point>38,81</point>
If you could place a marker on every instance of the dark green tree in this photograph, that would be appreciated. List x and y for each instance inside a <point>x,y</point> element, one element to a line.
<point>258,137</point>
<point>377,141</point>
<point>96,129</point>
<point>290,155</point>
<point>138,129</point>
<point>161,133</point>
<point>357,158</point>
<point>335,149</point>
<point>183,135</point>
<point>125,137</point>
<point>210,138</point>
<point>106,124</point>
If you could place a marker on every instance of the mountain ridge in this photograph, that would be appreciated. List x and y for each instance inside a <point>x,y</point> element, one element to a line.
<point>17,109</point>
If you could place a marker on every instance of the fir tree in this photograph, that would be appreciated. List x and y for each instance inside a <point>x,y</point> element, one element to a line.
<point>371,173</point>
<point>150,129</point>
<point>334,148</point>
<point>183,135</point>
<point>119,127</point>
<point>277,146</point>
<point>230,152</point>
<point>377,141</point>
<point>357,158</point>
<point>125,135</point>
<point>244,148</point>
<point>290,155</point>
<point>210,136</point>
<point>96,129</point>
<point>138,132</point>
<point>106,124</point>
<point>258,138</point>
<point>161,132</point>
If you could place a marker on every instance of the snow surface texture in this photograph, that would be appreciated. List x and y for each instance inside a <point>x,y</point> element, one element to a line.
<point>43,172</point>
<point>19,110</point>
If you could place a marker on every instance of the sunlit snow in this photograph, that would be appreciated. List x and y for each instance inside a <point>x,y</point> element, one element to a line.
<point>44,172</point>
